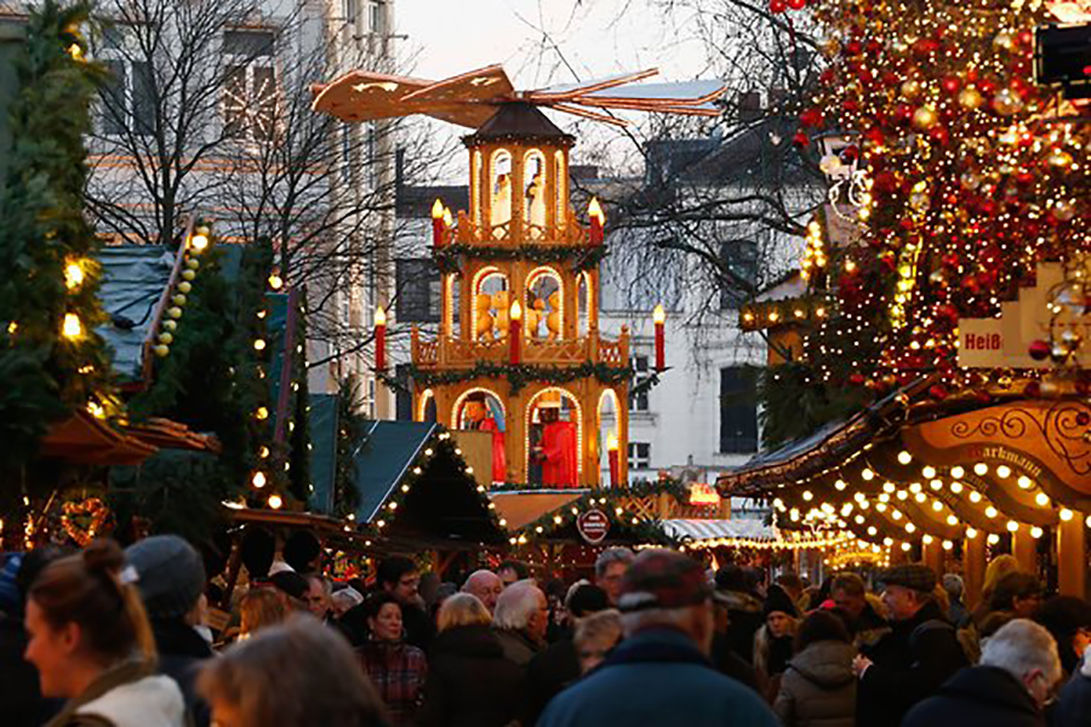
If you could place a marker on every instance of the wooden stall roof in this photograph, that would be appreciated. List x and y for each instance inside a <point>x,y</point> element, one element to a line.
<point>522,508</point>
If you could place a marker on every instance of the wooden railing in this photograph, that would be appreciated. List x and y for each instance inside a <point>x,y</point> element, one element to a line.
<point>459,353</point>
<point>569,233</point>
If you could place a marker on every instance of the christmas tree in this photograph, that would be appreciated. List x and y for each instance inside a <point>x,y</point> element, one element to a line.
<point>966,175</point>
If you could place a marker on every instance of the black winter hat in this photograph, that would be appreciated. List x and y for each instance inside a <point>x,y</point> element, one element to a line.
<point>777,599</point>
<point>291,583</point>
<point>170,575</point>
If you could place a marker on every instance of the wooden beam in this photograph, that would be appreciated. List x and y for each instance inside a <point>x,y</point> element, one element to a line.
<point>1072,558</point>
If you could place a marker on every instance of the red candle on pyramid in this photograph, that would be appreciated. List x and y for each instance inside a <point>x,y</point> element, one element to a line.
<point>439,227</point>
<point>659,316</point>
<point>380,338</point>
<point>515,333</point>
<point>611,454</point>
<point>598,219</point>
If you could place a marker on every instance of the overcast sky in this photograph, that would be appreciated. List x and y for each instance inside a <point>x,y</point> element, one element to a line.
<point>595,37</point>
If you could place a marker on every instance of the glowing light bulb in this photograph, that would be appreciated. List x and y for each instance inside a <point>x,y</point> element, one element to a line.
<point>275,501</point>
<point>1012,526</point>
<point>72,327</point>
<point>904,457</point>
<point>1065,514</point>
<point>1041,499</point>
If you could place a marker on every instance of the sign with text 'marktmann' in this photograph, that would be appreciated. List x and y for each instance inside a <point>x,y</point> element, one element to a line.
<point>1003,342</point>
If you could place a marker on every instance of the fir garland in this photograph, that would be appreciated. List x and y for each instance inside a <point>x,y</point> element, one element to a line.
<point>519,376</point>
<point>584,257</point>
<point>45,235</point>
<point>608,502</point>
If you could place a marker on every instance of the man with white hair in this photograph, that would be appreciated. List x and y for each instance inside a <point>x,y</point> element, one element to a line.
<point>486,586</point>
<point>520,621</point>
<point>660,674</point>
<point>1009,687</point>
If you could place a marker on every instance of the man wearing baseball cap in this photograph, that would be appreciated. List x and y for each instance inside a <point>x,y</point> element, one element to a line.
<point>660,673</point>
<point>916,658</point>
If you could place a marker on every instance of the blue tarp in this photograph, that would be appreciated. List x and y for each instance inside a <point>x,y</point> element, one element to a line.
<point>386,451</point>
<point>133,279</point>
<point>323,424</point>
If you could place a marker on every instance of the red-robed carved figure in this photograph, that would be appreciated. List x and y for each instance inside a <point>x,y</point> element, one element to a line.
<point>477,416</point>
<point>558,450</point>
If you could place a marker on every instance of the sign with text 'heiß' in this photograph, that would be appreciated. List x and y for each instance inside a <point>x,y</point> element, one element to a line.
<point>593,526</point>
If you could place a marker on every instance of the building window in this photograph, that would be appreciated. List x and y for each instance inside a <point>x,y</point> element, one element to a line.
<point>418,291</point>
<point>250,86</point>
<point>377,17</point>
<point>738,273</point>
<point>638,400</point>
<point>129,96</point>
<point>738,411</point>
<point>640,455</point>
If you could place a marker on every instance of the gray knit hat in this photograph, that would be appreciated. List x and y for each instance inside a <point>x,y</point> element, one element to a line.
<point>170,575</point>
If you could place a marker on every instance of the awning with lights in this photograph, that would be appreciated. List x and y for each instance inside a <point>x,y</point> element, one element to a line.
<point>959,475</point>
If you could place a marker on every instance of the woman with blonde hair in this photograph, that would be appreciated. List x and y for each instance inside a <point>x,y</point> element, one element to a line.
<point>596,636</point>
<point>89,637</point>
<point>260,608</point>
<point>294,674</point>
<point>469,680</point>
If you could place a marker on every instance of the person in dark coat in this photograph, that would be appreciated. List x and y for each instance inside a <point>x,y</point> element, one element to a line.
<point>20,691</point>
<point>819,689</point>
<point>773,641</point>
<point>849,593</point>
<point>470,683</point>
<point>171,579</point>
<point>918,656</point>
<point>1068,619</point>
<point>744,611</point>
<point>400,577</point>
<point>660,673</point>
<point>1018,672</point>
<point>1073,707</point>
<point>558,665</point>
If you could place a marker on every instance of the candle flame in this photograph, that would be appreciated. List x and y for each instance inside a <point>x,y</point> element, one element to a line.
<point>380,316</point>
<point>73,275</point>
<point>659,315</point>
<point>448,220</point>
<point>516,312</point>
<point>611,442</point>
<point>594,211</point>
<point>437,209</point>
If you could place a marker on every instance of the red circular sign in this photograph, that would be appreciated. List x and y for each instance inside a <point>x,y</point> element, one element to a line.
<point>593,526</point>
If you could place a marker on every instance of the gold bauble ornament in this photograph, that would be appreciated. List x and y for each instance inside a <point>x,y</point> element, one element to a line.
<point>1007,102</point>
<point>925,118</point>
<point>970,98</point>
<point>970,180</point>
<point>1060,158</point>
<point>1004,41</point>
<point>188,275</point>
<point>911,88</point>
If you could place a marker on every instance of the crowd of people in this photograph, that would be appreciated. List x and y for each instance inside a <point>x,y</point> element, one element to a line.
<point>105,636</point>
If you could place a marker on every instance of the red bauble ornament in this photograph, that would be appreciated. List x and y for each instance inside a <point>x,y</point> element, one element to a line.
<point>856,379</point>
<point>811,118</point>
<point>797,4</point>
<point>951,84</point>
<point>903,114</point>
<point>940,135</point>
<point>854,48</point>
<point>777,6</point>
<point>801,139</point>
<point>938,392</point>
<point>1039,350</point>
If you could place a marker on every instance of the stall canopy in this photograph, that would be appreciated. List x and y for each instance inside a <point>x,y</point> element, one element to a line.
<point>412,484</point>
<point>133,280</point>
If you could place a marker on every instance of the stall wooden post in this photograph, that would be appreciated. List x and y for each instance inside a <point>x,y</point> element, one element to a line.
<point>1025,549</point>
<point>898,556</point>
<point>973,569</point>
<point>1071,558</point>
<point>933,556</point>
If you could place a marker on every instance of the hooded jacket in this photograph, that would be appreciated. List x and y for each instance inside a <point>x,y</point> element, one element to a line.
<point>978,696</point>
<point>744,613</point>
<point>127,695</point>
<point>1073,708</point>
<point>818,689</point>
<point>470,683</point>
<point>910,664</point>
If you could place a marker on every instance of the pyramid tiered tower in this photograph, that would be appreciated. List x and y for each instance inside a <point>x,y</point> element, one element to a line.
<point>519,261</point>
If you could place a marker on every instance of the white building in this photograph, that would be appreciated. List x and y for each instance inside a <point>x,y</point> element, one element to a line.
<point>702,417</point>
